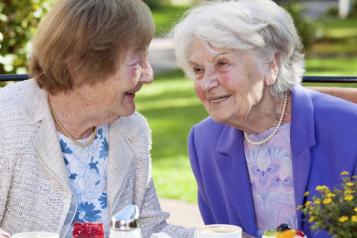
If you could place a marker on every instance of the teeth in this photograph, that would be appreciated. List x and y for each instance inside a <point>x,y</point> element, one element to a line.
<point>220,97</point>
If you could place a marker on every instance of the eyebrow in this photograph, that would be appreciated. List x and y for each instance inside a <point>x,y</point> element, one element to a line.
<point>192,62</point>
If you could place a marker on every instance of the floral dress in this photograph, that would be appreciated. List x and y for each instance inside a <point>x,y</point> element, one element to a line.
<point>87,174</point>
<point>271,177</point>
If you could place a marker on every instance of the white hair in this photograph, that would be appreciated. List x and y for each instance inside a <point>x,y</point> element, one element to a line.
<point>259,26</point>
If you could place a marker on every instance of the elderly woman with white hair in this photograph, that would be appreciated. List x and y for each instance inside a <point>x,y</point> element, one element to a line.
<point>74,150</point>
<point>267,139</point>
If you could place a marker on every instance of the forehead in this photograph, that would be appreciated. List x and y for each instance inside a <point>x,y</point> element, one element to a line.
<point>133,53</point>
<point>201,52</point>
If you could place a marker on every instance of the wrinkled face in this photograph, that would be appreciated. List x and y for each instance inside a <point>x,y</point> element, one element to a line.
<point>114,97</point>
<point>228,82</point>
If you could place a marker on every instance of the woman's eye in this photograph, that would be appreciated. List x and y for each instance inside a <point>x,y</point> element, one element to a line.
<point>136,63</point>
<point>197,70</point>
<point>220,64</point>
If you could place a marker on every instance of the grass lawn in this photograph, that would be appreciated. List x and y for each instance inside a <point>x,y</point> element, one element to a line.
<point>172,108</point>
<point>166,17</point>
<point>339,37</point>
<point>343,66</point>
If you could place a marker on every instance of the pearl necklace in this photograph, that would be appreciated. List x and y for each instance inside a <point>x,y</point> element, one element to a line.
<point>275,129</point>
<point>75,141</point>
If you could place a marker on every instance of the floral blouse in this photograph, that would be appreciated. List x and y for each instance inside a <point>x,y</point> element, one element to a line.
<point>271,177</point>
<point>87,174</point>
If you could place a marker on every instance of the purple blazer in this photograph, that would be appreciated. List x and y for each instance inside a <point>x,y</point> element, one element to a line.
<point>323,142</point>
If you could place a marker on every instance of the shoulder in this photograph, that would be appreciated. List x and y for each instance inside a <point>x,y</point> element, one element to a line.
<point>9,97</point>
<point>327,102</point>
<point>135,129</point>
<point>13,91</point>
<point>135,121</point>
<point>207,128</point>
<point>334,122</point>
<point>334,111</point>
<point>11,110</point>
<point>324,107</point>
<point>205,136</point>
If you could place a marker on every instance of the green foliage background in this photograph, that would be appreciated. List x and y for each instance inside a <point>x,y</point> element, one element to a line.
<point>18,21</point>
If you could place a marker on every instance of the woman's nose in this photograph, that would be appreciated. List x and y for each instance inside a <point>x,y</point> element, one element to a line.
<point>209,81</point>
<point>147,74</point>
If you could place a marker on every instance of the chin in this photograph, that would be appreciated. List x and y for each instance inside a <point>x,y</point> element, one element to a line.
<point>219,118</point>
<point>128,112</point>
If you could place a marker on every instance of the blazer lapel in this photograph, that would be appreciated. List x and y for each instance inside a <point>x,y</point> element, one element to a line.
<point>233,168</point>
<point>49,151</point>
<point>121,155</point>
<point>36,110</point>
<point>302,138</point>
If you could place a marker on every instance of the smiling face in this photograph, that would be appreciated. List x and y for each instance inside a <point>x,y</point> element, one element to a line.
<point>121,87</point>
<point>114,97</point>
<point>229,83</point>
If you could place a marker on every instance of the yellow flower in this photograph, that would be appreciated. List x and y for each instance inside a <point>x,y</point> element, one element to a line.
<point>330,195</point>
<point>311,219</point>
<point>317,201</point>
<point>306,193</point>
<point>344,173</point>
<point>349,184</point>
<point>354,218</point>
<point>327,201</point>
<point>343,219</point>
<point>348,197</point>
<point>355,209</point>
<point>321,188</point>
<point>308,203</point>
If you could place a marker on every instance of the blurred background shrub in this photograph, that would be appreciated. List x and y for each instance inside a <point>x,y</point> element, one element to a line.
<point>306,27</point>
<point>18,21</point>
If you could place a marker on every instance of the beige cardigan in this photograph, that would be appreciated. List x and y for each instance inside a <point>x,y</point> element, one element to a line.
<point>34,189</point>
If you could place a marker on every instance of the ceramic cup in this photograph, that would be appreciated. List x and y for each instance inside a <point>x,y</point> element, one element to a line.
<point>218,231</point>
<point>36,234</point>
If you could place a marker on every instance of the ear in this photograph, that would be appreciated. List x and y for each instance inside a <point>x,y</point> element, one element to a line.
<point>72,74</point>
<point>273,69</point>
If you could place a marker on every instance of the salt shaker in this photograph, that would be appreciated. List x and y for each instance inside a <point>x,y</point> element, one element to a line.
<point>125,223</point>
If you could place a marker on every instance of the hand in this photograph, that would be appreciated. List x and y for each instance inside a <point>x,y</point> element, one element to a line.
<point>4,234</point>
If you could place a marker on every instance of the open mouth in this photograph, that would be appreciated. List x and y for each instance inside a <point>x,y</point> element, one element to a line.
<point>220,98</point>
<point>130,93</point>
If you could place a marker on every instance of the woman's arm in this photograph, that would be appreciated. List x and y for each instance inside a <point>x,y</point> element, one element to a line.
<point>205,209</point>
<point>153,219</point>
<point>6,167</point>
<point>4,234</point>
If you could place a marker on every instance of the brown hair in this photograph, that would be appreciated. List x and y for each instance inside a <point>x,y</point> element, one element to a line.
<point>87,37</point>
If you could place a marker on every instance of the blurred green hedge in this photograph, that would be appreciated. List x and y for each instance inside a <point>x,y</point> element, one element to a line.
<point>18,21</point>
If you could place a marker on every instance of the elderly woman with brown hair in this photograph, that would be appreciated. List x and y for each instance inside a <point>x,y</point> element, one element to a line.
<point>267,140</point>
<point>73,149</point>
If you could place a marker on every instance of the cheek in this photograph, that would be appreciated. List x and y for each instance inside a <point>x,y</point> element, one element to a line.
<point>134,74</point>
<point>199,91</point>
<point>229,80</point>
